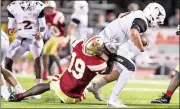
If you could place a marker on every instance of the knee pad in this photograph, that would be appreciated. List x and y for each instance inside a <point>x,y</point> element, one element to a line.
<point>127,74</point>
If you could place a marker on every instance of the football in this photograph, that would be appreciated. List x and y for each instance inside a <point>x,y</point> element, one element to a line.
<point>144,41</point>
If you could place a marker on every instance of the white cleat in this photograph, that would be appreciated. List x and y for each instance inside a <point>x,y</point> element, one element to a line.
<point>115,103</point>
<point>36,97</point>
<point>96,92</point>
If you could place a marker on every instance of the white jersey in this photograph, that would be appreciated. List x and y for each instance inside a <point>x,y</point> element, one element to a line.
<point>81,21</point>
<point>26,19</point>
<point>118,31</point>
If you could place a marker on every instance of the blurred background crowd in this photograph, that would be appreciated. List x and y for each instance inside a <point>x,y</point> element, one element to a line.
<point>164,43</point>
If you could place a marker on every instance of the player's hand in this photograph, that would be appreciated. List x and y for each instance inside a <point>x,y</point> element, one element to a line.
<point>38,36</point>
<point>11,31</point>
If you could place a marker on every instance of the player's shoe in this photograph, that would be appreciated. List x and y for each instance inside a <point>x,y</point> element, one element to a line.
<point>14,97</point>
<point>164,99</point>
<point>115,103</point>
<point>97,92</point>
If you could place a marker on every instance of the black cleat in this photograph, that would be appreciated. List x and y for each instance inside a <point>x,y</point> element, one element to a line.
<point>163,99</point>
<point>14,97</point>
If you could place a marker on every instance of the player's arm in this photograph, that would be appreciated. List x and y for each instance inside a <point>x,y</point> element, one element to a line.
<point>61,21</point>
<point>138,26</point>
<point>42,25</point>
<point>71,27</point>
<point>11,23</point>
<point>100,68</point>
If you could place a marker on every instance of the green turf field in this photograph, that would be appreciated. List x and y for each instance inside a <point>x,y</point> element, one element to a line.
<point>130,96</point>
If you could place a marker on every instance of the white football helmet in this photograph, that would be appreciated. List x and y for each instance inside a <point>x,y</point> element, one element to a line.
<point>50,4</point>
<point>81,7</point>
<point>155,14</point>
<point>93,46</point>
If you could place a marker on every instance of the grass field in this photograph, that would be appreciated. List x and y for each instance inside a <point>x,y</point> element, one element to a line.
<point>136,94</point>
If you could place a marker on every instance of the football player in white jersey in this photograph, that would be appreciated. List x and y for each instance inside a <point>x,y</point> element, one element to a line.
<point>28,16</point>
<point>121,36</point>
<point>6,74</point>
<point>79,21</point>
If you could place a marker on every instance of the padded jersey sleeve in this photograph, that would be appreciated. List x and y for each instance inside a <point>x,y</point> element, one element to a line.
<point>10,9</point>
<point>75,20</point>
<point>99,66</point>
<point>139,24</point>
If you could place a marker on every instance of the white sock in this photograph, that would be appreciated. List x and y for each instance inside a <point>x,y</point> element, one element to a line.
<point>100,82</point>
<point>4,92</point>
<point>122,80</point>
<point>19,88</point>
<point>38,81</point>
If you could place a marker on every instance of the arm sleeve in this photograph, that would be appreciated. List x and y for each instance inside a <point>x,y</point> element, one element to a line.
<point>10,15</point>
<point>11,22</point>
<point>139,24</point>
<point>41,14</point>
<point>75,21</point>
<point>42,25</point>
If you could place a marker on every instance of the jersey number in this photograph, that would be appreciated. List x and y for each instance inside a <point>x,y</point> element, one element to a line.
<point>55,31</point>
<point>27,24</point>
<point>79,65</point>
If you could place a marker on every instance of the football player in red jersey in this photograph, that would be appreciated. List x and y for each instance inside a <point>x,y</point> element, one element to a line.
<point>84,66</point>
<point>54,37</point>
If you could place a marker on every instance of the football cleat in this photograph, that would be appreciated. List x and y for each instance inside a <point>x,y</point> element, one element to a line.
<point>96,92</point>
<point>14,97</point>
<point>116,103</point>
<point>164,99</point>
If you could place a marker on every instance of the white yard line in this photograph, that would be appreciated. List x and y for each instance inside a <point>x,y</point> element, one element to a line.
<point>146,90</point>
<point>155,82</point>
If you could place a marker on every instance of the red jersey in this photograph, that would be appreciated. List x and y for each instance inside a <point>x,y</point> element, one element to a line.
<point>81,71</point>
<point>56,23</point>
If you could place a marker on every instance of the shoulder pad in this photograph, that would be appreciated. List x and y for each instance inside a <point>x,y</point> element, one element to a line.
<point>11,5</point>
<point>40,5</point>
<point>60,17</point>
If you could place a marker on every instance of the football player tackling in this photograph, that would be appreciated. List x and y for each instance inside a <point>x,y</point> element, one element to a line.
<point>126,29</point>
<point>84,66</point>
<point>28,17</point>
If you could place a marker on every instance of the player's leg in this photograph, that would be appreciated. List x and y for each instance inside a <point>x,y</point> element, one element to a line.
<point>126,68</point>
<point>175,82</point>
<point>51,61</point>
<point>16,49</point>
<point>45,64</point>
<point>57,60</point>
<point>47,48</point>
<point>36,49</point>
<point>4,89</point>
<point>57,46</point>
<point>96,85</point>
<point>11,80</point>
<point>36,90</point>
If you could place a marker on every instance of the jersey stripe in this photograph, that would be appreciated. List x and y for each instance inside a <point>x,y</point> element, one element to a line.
<point>97,67</point>
<point>76,42</point>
